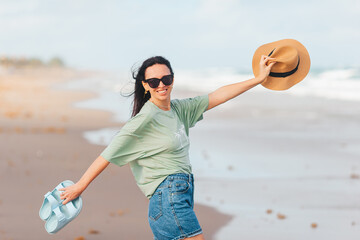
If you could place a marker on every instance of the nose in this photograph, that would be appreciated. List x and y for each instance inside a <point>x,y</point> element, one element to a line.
<point>161,84</point>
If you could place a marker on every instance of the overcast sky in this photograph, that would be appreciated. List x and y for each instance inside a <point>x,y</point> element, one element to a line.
<point>191,34</point>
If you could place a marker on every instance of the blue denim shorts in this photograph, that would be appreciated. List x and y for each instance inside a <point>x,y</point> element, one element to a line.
<point>171,209</point>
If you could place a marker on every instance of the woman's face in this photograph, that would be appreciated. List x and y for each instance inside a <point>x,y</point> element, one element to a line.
<point>162,92</point>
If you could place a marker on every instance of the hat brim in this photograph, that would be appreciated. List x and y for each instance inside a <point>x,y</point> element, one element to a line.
<point>280,83</point>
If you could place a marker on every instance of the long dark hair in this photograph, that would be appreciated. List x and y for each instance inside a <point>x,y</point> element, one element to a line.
<point>139,76</point>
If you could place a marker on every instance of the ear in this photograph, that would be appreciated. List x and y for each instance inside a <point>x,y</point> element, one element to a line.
<point>145,85</point>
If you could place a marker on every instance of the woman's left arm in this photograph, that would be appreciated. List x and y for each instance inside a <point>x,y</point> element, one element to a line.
<point>228,92</point>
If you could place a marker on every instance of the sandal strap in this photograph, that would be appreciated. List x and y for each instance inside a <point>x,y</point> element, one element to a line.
<point>53,202</point>
<point>71,207</point>
<point>59,215</point>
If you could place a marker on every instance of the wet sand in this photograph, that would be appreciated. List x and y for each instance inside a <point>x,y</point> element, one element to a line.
<point>42,145</point>
<point>287,167</point>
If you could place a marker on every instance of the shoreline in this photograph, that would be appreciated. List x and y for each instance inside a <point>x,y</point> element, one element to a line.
<point>44,144</point>
<point>272,122</point>
<point>203,211</point>
<point>294,156</point>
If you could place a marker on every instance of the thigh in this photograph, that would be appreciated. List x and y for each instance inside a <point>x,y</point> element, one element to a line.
<point>171,215</point>
<point>197,237</point>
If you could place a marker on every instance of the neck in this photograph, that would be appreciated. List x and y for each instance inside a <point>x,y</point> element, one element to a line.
<point>164,105</point>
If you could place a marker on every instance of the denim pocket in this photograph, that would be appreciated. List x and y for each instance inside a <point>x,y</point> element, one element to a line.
<point>155,206</point>
<point>180,186</point>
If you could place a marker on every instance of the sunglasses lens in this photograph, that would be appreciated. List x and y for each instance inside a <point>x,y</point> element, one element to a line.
<point>167,80</point>
<point>154,82</point>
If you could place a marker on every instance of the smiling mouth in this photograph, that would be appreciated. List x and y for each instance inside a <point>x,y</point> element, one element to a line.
<point>162,91</point>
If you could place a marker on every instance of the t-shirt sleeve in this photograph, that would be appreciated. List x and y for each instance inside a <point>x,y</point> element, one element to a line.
<point>126,145</point>
<point>192,109</point>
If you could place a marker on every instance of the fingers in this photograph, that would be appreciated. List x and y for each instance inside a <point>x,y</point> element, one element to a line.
<point>62,196</point>
<point>69,193</point>
<point>65,197</point>
<point>271,64</point>
<point>64,191</point>
<point>267,57</point>
<point>267,62</point>
<point>264,59</point>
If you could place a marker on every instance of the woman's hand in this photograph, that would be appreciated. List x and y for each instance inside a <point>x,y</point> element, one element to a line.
<point>71,192</point>
<point>265,67</point>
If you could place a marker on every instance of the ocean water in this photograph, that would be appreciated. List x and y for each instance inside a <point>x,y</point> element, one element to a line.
<point>339,84</point>
<point>237,170</point>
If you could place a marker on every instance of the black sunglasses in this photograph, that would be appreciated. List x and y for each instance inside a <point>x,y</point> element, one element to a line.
<point>154,82</point>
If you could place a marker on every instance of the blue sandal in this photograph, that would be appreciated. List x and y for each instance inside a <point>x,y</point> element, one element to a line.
<point>55,213</point>
<point>52,200</point>
<point>62,215</point>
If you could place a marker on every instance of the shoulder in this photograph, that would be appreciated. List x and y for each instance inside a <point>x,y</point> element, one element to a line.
<point>137,123</point>
<point>175,102</point>
<point>188,102</point>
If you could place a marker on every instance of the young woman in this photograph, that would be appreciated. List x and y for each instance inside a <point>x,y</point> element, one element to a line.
<point>156,145</point>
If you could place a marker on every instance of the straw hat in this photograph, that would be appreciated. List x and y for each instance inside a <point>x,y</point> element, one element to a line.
<point>292,63</point>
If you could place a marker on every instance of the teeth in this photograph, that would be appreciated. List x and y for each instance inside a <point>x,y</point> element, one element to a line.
<point>162,91</point>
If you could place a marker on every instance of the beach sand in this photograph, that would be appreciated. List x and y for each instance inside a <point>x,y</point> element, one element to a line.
<point>42,144</point>
<point>267,165</point>
<point>287,167</point>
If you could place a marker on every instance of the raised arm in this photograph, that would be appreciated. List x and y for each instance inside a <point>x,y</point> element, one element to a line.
<point>225,93</point>
<point>72,192</point>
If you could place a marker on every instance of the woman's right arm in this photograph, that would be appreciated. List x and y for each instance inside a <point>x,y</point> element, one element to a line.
<point>72,192</point>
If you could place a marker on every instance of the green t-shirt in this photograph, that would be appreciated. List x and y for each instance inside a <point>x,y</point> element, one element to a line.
<point>156,142</point>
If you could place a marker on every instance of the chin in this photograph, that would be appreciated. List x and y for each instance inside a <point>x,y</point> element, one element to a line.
<point>162,98</point>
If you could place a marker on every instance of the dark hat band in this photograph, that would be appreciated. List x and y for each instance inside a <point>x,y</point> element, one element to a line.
<point>285,74</point>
